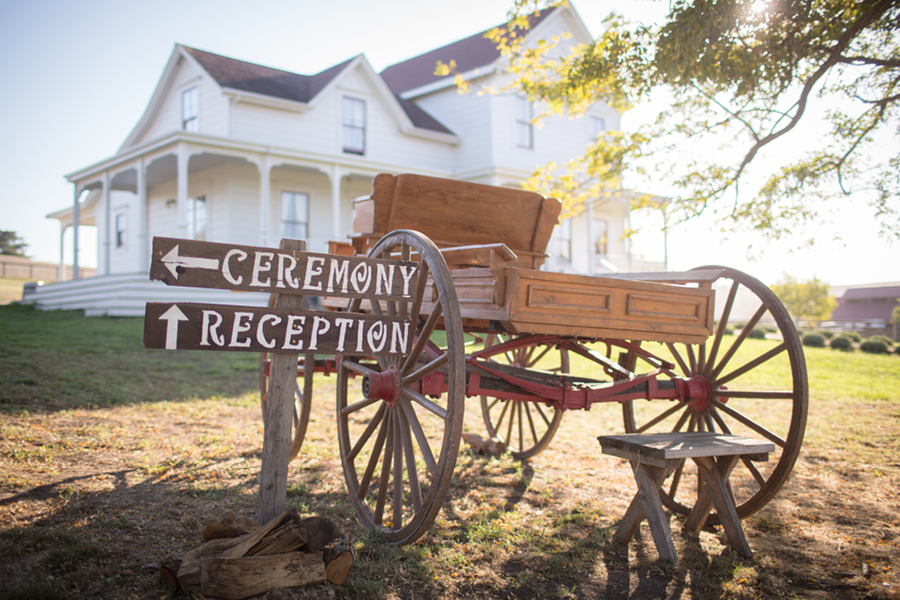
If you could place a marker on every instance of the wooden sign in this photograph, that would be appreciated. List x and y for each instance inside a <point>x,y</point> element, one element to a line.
<point>194,263</point>
<point>286,331</point>
<point>191,326</point>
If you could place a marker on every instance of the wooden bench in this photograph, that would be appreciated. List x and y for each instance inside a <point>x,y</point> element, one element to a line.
<point>654,456</point>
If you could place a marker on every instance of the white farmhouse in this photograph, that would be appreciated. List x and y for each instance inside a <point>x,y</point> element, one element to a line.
<point>234,151</point>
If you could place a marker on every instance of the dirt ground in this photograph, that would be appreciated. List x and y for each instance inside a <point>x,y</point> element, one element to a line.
<point>92,500</point>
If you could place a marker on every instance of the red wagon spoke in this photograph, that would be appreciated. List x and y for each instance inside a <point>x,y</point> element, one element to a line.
<point>424,402</point>
<point>419,433</point>
<point>720,330</point>
<point>750,423</point>
<point>411,469</point>
<point>714,374</point>
<point>370,429</point>
<point>373,460</point>
<point>385,472</point>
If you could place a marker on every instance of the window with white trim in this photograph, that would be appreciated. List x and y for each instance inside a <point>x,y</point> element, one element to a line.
<point>598,127</point>
<point>524,123</point>
<point>196,218</point>
<point>121,225</point>
<point>354,125</point>
<point>601,236</point>
<point>189,109</point>
<point>294,215</point>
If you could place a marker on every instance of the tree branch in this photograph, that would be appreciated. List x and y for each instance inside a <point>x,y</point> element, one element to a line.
<point>852,32</point>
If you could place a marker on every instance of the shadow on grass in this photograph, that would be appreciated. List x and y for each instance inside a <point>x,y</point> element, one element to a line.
<point>54,360</point>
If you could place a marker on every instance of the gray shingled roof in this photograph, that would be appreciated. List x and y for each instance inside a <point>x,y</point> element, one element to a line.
<point>250,77</point>
<point>469,53</point>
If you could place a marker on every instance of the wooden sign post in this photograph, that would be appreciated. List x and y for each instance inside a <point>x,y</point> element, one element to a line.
<point>286,330</point>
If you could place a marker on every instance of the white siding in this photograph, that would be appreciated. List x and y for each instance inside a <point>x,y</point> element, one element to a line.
<point>213,110</point>
<point>124,259</point>
<point>469,117</point>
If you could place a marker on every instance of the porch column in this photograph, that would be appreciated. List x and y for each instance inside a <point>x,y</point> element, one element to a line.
<point>103,232</point>
<point>62,252</point>
<point>590,237</point>
<point>183,157</point>
<point>142,247</point>
<point>265,200</point>
<point>336,202</point>
<point>76,218</point>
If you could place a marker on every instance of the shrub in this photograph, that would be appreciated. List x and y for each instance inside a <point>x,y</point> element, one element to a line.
<point>757,334</point>
<point>842,343</point>
<point>729,330</point>
<point>813,340</point>
<point>874,347</point>
<point>826,334</point>
<point>882,338</point>
<point>853,336</point>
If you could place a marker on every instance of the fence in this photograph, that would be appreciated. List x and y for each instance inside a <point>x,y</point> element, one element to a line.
<point>16,267</point>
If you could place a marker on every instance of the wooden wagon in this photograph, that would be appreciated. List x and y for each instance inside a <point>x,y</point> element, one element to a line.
<point>666,354</point>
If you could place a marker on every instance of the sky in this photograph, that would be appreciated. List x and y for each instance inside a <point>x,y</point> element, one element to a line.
<point>77,76</point>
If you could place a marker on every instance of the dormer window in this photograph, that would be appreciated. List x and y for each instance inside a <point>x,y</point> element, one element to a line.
<point>189,109</point>
<point>524,124</point>
<point>354,126</point>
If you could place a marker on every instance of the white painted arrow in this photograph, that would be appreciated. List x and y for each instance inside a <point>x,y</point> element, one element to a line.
<point>172,261</point>
<point>172,316</point>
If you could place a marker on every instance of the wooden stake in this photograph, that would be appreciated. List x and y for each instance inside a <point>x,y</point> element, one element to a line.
<point>279,414</point>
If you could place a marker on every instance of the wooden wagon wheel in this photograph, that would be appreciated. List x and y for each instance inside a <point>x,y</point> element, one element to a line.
<point>302,397</point>
<point>759,390</point>
<point>526,427</point>
<point>399,450</point>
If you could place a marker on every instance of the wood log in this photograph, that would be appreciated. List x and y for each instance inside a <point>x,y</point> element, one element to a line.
<point>189,571</point>
<point>338,561</point>
<point>286,552</point>
<point>168,575</point>
<point>247,542</point>
<point>237,578</point>
<point>228,526</point>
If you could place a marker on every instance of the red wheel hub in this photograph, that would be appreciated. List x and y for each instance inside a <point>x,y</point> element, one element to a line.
<point>699,393</point>
<point>383,386</point>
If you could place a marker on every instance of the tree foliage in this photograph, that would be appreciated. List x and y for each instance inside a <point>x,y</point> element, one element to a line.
<point>809,300</point>
<point>739,75</point>
<point>11,244</point>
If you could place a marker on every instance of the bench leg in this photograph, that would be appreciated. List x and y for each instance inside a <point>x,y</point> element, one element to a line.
<point>648,480</point>
<point>720,496</point>
<point>700,512</point>
<point>630,522</point>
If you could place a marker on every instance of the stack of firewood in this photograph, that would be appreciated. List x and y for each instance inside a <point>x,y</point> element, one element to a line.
<point>289,551</point>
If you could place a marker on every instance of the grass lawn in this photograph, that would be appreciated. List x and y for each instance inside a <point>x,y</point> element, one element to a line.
<point>113,458</point>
